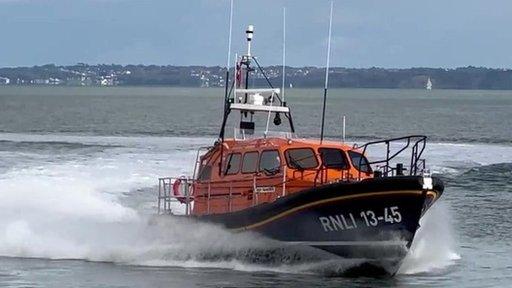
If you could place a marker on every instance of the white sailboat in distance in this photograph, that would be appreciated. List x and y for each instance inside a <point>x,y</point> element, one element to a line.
<point>429,84</point>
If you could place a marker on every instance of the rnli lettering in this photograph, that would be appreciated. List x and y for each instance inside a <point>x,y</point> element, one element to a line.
<point>369,218</point>
<point>338,222</point>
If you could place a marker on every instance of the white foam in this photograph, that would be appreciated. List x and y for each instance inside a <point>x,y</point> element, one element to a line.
<point>434,247</point>
<point>454,158</point>
<point>59,209</point>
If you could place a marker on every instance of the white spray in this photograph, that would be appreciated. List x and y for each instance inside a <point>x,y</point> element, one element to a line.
<point>433,248</point>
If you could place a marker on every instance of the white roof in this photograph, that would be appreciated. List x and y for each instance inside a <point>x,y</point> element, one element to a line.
<point>262,108</point>
<point>259,91</point>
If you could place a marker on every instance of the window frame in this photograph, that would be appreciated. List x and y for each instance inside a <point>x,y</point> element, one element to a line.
<point>257,162</point>
<point>205,169</point>
<point>270,150</point>
<point>366,162</point>
<point>228,160</point>
<point>343,155</point>
<point>286,156</point>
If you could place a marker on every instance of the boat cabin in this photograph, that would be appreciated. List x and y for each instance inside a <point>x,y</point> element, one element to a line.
<point>261,170</point>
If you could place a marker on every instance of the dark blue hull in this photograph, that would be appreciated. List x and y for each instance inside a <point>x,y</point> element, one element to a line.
<point>374,220</point>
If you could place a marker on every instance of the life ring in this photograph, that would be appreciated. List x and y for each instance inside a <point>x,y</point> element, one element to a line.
<point>176,189</point>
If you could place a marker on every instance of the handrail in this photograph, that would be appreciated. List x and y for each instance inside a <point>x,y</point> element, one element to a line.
<point>259,90</point>
<point>415,153</point>
<point>344,174</point>
<point>198,160</point>
<point>166,193</point>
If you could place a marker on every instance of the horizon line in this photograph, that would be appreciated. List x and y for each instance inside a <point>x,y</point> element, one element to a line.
<point>266,66</point>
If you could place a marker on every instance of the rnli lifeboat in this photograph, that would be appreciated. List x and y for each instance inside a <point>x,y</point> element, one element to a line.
<point>324,194</point>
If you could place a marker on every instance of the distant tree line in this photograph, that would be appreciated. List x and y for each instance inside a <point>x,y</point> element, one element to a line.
<point>301,77</point>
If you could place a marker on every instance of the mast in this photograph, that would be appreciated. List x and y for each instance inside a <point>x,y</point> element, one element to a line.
<point>252,101</point>
<point>226,85</point>
<point>226,82</point>
<point>250,33</point>
<point>326,73</point>
<point>284,54</point>
<point>283,77</point>
<point>228,60</point>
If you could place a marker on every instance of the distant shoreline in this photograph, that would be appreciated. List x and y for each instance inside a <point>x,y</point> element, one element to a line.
<point>465,78</point>
<point>221,89</point>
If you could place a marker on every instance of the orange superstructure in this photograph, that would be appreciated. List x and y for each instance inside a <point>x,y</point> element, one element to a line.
<point>265,169</point>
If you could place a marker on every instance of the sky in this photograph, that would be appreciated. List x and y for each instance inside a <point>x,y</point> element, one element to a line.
<point>366,33</point>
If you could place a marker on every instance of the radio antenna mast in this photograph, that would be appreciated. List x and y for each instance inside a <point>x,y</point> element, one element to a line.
<point>226,84</point>
<point>228,60</point>
<point>327,73</point>
<point>284,54</point>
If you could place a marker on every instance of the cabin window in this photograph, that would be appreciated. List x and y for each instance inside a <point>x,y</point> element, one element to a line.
<point>270,161</point>
<point>250,163</point>
<point>333,158</point>
<point>233,164</point>
<point>301,158</point>
<point>360,162</point>
<point>205,173</point>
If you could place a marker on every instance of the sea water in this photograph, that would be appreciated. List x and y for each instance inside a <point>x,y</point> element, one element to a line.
<point>79,168</point>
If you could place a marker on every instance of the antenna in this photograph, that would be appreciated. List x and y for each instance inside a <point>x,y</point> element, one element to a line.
<point>250,33</point>
<point>327,73</point>
<point>230,33</point>
<point>226,82</point>
<point>284,53</point>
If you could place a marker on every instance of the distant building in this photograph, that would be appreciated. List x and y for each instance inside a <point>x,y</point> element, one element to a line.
<point>107,80</point>
<point>4,81</point>
<point>205,81</point>
<point>55,81</point>
<point>40,81</point>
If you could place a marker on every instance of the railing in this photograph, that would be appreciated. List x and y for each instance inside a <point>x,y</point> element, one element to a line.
<point>245,134</point>
<point>322,175</point>
<point>198,160</point>
<point>166,194</point>
<point>416,143</point>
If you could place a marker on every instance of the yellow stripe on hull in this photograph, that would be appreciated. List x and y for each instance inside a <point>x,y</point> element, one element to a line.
<point>335,199</point>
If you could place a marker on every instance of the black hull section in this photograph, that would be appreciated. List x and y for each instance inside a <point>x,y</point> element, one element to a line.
<point>374,219</point>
